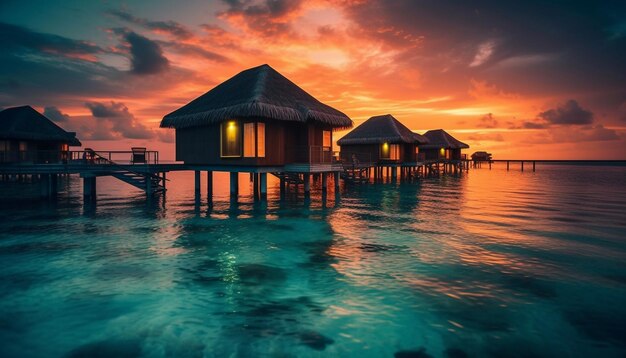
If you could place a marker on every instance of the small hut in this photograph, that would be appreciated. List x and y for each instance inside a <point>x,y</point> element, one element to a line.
<point>379,140</point>
<point>256,118</point>
<point>28,136</point>
<point>442,146</point>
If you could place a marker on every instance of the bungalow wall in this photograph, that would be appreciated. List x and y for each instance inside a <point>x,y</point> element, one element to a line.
<point>285,142</point>
<point>372,153</point>
<point>437,154</point>
<point>28,151</point>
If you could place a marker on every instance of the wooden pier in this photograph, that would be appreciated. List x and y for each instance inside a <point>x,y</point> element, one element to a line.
<point>150,176</point>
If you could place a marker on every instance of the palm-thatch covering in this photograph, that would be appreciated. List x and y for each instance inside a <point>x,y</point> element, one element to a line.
<point>259,92</point>
<point>438,138</point>
<point>381,129</point>
<point>25,123</point>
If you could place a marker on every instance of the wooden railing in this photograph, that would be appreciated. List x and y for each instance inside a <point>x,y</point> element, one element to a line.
<point>86,156</point>
<point>356,159</point>
<point>313,154</point>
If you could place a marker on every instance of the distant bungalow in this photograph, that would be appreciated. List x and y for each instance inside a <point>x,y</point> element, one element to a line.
<point>257,118</point>
<point>28,136</point>
<point>442,146</point>
<point>381,140</point>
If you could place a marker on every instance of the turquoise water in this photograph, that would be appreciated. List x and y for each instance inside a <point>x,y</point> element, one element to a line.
<point>492,263</point>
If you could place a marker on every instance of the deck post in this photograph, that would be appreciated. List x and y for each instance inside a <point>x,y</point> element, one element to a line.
<point>197,185</point>
<point>394,173</point>
<point>148,185</point>
<point>255,185</point>
<point>44,185</point>
<point>336,182</point>
<point>507,165</point>
<point>324,182</point>
<point>307,184</point>
<point>263,184</point>
<point>490,165</point>
<point>234,185</point>
<point>282,187</point>
<point>164,180</point>
<point>209,186</point>
<point>89,188</point>
<point>522,165</point>
<point>533,165</point>
<point>54,185</point>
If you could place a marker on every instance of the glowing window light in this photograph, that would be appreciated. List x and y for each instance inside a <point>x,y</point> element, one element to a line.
<point>231,140</point>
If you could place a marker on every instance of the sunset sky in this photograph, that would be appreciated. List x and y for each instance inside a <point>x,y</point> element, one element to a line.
<point>533,80</point>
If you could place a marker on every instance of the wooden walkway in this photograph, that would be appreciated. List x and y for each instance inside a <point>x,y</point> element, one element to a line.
<point>150,175</point>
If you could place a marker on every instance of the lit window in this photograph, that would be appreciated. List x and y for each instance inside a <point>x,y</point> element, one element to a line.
<point>231,140</point>
<point>23,146</point>
<point>249,140</point>
<point>390,151</point>
<point>394,152</point>
<point>326,140</point>
<point>260,140</point>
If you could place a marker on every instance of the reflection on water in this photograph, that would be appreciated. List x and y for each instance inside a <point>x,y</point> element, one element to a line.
<point>492,263</point>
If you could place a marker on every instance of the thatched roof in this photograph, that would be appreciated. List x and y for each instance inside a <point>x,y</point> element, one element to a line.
<point>438,138</point>
<point>381,129</point>
<point>25,123</point>
<point>257,92</point>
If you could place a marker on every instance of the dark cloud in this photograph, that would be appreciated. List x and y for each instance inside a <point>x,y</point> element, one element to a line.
<point>534,125</point>
<point>146,56</point>
<point>172,28</point>
<point>267,18</point>
<point>193,50</point>
<point>488,121</point>
<point>569,46</point>
<point>495,137</point>
<point>120,120</point>
<point>13,37</point>
<point>108,110</point>
<point>597,133</point>
<point>55,114</point>
<point>36,67</point>
<point>568,113</point>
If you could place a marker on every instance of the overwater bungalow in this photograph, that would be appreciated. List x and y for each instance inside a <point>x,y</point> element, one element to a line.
<point>442,146</point>
<point>258,118</point>
<point>381,140</point>
<point>27,136</point>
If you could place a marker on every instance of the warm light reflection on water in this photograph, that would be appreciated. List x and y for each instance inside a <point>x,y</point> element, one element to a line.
<point>491,263</point>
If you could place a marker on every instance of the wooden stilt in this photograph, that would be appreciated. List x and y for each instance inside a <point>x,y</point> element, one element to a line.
<point>263,185</point>
<point>324,182</point>
<point>44,185</point>
<point>197,185</point>
<point>209,187</point>
<point>234,185</point>
<point>307,184</point>
<point>255,185</point>
<point>282,187</point>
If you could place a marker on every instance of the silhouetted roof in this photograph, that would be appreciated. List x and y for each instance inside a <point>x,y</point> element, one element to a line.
<point>438,138</point>
<point>25,123</point>
<point>257,92</point>
<point>381,129</point>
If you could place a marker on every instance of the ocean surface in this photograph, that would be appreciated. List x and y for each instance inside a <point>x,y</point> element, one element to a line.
<point>487,264</point>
